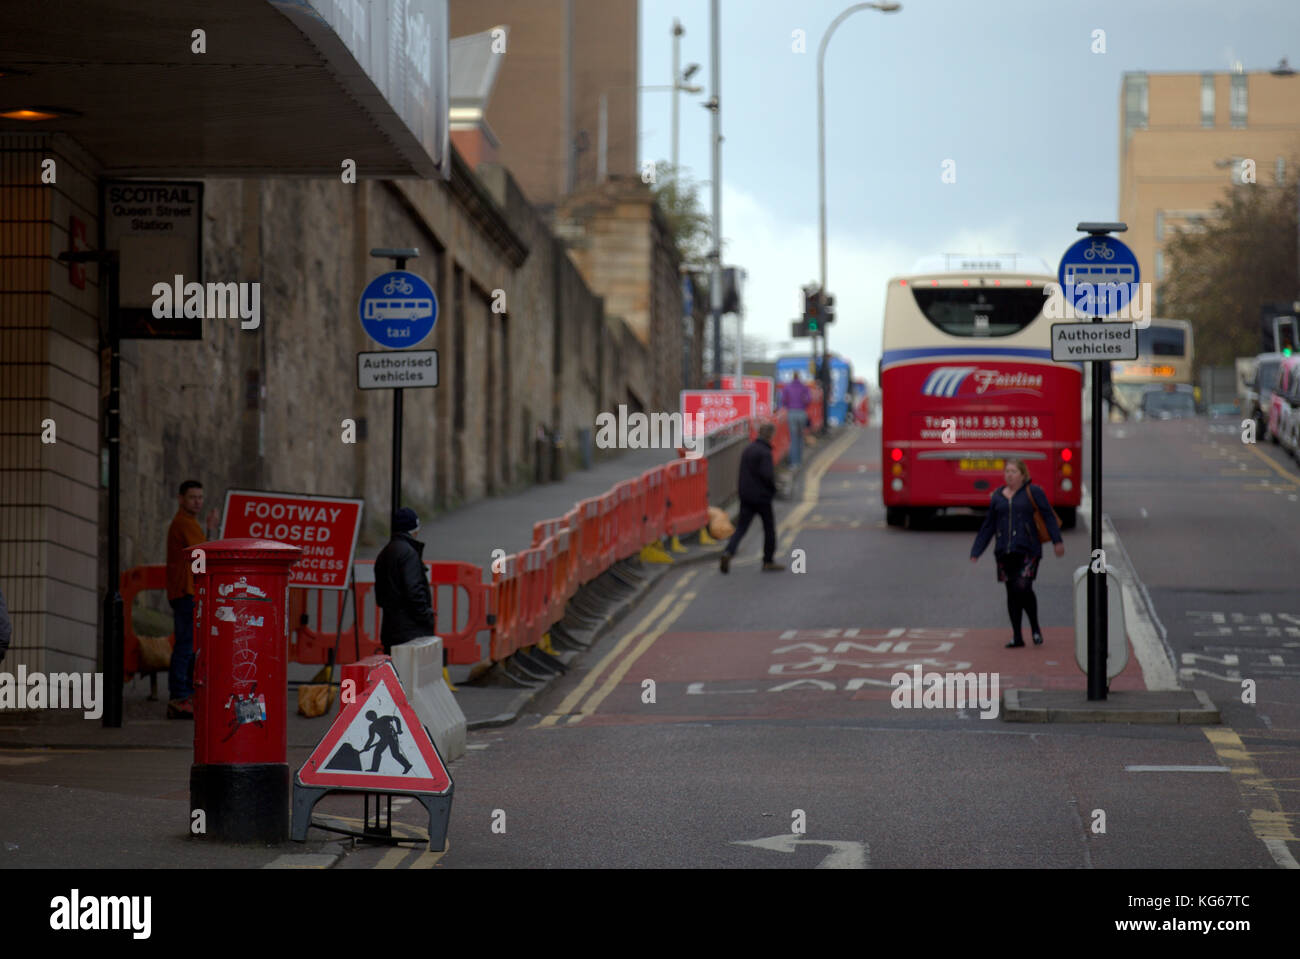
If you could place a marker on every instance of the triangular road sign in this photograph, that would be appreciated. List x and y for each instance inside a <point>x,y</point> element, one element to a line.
<point>377,744</point>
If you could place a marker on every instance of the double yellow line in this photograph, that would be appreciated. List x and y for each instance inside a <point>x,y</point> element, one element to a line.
<point>675,599</point>
<point>671,607</point>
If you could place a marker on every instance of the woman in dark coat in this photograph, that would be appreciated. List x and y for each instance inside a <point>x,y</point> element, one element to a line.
<point>1011,519</point>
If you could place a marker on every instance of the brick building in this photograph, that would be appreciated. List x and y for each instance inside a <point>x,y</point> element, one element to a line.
<point>523,342</point>
<point>1183,140</point>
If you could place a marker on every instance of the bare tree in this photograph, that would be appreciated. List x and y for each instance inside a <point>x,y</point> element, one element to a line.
<point>1243,257</point>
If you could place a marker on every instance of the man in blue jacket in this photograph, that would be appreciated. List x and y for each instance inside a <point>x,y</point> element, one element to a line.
<point>1018,550</point>
<point>757,488</point>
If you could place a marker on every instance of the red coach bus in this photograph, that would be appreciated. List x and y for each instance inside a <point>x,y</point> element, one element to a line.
<point>967,381</point>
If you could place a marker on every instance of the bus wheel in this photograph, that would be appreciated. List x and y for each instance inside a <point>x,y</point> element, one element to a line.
<point>1069,516</point>
<point>895,515</point>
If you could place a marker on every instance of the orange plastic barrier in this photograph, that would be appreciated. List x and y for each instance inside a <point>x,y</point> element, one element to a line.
<point>627,502</point>
<point>608,530</point>
<point>460,622</point>
<point>781,438</point>
<point>591,535</point>
<point>536,595</point>
<point>134,581</point>
<point>815,410</point>
<point>505,607</point>
<point>311,644</point>
<point>687,495</point>
<point>573,523</point>
<point>654,507</point>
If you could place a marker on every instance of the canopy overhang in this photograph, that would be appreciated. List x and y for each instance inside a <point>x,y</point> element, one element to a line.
<point>282,87</point>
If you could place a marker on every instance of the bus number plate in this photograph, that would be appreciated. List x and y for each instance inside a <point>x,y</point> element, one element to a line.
<point>982,464</point>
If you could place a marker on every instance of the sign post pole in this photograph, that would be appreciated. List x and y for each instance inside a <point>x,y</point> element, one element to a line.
<point>1098,275</point>
<point>392,315</point>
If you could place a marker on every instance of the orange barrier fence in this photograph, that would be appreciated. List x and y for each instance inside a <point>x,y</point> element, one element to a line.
<point>781,439</point>
<point>134,581</point>
<point>687,495</point>
<point>654,505</point>
<point>528,591</point>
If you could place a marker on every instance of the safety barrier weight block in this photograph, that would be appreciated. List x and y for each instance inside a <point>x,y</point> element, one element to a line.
<point>419,667</point>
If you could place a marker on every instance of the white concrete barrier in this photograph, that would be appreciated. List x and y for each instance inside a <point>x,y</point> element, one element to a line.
<point>419,667</point>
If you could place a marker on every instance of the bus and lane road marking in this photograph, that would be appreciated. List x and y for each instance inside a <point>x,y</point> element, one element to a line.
<point>679,601</point>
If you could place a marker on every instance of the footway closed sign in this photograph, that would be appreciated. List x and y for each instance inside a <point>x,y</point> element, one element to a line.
<point>1082,342</point>
<point>324,527</point>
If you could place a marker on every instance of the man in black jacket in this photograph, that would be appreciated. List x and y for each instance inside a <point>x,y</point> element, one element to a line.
<point>402,585</point>
<point>757,487</point>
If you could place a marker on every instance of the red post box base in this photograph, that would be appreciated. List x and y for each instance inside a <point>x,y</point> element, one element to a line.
<point>246,802</point>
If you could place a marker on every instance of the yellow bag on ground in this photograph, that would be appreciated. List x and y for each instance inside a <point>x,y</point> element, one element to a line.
<point>315,700</point>
<point>155,653</point>
<point>720,525</point>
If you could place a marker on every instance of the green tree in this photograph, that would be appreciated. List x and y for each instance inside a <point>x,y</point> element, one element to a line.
<point>1243,257</point>
<point>678,197</point>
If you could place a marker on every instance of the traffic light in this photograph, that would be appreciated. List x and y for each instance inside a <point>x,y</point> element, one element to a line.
<point>812,310</point>
<point>828,309</point>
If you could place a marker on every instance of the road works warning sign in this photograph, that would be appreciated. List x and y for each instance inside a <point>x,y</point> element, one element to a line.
<point>377,744</point>
<point>1081,342</point>
<point>325,528</point>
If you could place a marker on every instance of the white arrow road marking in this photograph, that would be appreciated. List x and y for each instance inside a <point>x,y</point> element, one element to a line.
<point>844,854</point>
<point>697,689</point>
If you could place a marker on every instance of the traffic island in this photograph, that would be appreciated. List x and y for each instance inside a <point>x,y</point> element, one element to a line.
<point>1190,707</point>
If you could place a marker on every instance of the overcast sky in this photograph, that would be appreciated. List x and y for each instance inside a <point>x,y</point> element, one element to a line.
<point>1008,89</point>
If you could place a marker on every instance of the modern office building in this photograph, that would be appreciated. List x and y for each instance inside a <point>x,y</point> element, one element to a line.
<point>1187,138</point>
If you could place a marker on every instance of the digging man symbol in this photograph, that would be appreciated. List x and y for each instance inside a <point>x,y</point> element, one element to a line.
<point>384,729</point>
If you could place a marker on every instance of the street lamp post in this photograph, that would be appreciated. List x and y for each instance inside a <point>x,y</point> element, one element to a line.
<point>883,7</point>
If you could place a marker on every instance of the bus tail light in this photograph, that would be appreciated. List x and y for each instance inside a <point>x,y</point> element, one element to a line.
<point>896,469</point>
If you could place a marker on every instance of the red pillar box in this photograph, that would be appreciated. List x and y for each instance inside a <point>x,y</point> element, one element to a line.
<point>240,776</point>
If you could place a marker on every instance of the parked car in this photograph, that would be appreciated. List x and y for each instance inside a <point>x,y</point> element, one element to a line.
<point>1284,410</point>
<point>1259,397</point>
<point>1168,402</point>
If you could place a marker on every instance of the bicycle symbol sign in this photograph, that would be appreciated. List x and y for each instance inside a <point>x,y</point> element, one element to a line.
<point>1098,275</point>
<point>398,309</point>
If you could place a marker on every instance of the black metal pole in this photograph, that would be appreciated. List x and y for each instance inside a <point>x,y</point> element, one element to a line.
<point>400,263</point>
<point>1097,637</point>
<point>114,627</point>
<point>826,379</point>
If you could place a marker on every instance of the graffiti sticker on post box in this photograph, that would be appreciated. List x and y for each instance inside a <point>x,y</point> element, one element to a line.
<point>324,527</point>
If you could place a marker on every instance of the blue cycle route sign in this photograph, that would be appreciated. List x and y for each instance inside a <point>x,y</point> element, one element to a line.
<point>398,309</point>
<point>1098,276</point>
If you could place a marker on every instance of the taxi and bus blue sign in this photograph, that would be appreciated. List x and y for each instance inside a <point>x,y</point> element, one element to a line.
<point>1098,277</point>
<point>398,309</point>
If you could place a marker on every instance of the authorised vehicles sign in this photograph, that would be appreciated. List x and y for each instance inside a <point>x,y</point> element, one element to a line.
<point>401,370</point>
<point>1082,342</point>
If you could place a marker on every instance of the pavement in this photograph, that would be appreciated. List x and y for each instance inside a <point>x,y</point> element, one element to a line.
<point>64,776</point>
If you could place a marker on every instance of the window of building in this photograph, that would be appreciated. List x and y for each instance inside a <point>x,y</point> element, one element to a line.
<point>1207,99</point>
<point>1237,100</point>
<point>1160,264</point>
<point>1135,102</point>
<point>1160,224</point>
<point>1279,171</point>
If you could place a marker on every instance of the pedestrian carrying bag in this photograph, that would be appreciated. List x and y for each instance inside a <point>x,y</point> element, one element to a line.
<point>1043,534</point>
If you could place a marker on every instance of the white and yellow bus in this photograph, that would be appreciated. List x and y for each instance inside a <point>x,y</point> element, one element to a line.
<point>1164,356</point>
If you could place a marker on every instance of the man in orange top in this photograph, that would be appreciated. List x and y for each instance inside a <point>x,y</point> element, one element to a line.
<point>184,533</point>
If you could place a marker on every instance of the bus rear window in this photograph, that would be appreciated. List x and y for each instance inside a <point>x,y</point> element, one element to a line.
<point>1161,341</point>
<point>979,312</point>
